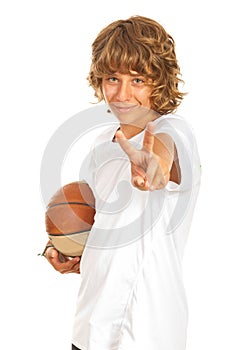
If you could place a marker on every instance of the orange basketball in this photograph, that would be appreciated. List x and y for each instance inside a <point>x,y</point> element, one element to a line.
<point>69,218</point>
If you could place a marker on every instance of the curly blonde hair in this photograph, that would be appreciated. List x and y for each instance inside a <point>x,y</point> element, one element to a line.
<point>138,44</point>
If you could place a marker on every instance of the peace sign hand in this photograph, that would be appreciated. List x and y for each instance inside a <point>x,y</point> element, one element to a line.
<point>149,172</point>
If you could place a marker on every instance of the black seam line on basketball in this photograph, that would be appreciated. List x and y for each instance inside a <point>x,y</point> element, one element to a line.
<point>77,203</point>
<point>67,234</point>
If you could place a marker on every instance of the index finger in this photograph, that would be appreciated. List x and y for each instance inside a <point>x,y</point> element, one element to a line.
<point>125,144</point>
<point>148,141</point>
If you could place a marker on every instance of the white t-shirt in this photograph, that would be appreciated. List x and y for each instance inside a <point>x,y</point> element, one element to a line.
<point>132,295</point>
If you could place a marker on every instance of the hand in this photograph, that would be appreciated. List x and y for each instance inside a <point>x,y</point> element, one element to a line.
<point>62,263</point>
<point>149,171</point>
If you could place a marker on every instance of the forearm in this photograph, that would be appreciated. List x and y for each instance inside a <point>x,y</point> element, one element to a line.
<point>164,152</point>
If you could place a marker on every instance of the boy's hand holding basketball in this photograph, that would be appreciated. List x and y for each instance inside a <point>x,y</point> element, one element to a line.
<point>150,169</point>
<point>62,263</point>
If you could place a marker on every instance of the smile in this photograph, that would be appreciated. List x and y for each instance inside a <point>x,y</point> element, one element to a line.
<point>123,108</point>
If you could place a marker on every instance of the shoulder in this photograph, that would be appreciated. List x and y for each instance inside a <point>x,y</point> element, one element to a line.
<point>177,127</point>
<point>172,120</point>
<point>106,134</point>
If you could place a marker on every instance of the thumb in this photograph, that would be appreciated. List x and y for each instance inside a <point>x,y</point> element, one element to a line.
<point>52,253</point>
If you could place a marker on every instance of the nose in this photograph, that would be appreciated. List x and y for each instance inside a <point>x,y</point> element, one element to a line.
<point>124,92</point>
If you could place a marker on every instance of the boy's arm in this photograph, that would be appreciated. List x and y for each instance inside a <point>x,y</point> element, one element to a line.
<point>165,148</point>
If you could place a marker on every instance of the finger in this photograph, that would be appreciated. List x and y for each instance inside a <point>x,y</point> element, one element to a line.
<point>74,269</point>
<point>51,253</point>
<point>160,180</point>
<point>55,257</point>
<point>152,170</point>
<point>69,264</point>
<point>65,266</point>
<point>137,170</point>
<point>158,183</point>
<point>138,176</point>
<point>62,258</point>
<point>148,141</point>
<point>125,144</point>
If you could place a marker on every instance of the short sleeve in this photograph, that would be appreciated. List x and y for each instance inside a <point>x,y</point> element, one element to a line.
<point>183,136</point>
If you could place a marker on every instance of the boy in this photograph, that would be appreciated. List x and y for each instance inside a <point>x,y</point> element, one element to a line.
<point>131,294</point>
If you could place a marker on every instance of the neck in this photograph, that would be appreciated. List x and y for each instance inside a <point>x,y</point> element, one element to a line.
<point>130,130</point>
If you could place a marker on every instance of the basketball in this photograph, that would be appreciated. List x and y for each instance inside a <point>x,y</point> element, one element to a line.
<point>69,218</point>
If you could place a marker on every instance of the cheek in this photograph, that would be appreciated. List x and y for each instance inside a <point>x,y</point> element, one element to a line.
<point>145,98</point>
<point>107,93</point>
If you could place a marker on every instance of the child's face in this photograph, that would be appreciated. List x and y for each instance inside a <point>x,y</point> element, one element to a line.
<point>128,96</point>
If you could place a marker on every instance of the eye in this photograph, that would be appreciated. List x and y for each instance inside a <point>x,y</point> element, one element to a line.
<point>138,81</point>
<point>112,79</point>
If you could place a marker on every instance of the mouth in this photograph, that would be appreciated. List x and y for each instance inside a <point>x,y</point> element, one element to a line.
<point>122,109</point>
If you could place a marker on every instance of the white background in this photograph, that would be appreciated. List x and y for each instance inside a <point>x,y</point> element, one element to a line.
<point>45,57</point>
